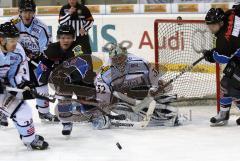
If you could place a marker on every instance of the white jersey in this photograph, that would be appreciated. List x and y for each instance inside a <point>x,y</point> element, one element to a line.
<point>14,66</point>
<point>137,73</point>
<point>35,38</point>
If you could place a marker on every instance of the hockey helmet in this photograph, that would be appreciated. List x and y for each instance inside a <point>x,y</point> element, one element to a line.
<point>214,15</point>
<point>117,49</point>
<point>27,5</point>
<point>8,30</point>
<point>65,30</point>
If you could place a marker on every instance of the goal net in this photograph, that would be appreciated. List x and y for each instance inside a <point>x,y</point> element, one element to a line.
<point>179,43</point>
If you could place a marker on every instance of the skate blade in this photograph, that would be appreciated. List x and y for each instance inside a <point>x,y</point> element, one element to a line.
<point>221,123</point>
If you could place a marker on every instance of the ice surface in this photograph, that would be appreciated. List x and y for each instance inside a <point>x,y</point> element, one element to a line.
<point>196,141</point>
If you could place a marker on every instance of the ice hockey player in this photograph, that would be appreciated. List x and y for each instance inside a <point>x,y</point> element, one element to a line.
<point>34,38</point>
<point>225,26</point>
<point>13,104</point>
<point>56,54</point>
<point>131,75</point>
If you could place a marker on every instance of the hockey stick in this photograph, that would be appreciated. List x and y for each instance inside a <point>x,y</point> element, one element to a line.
<point>52,99</point>
<point>96,105</point>
<point>47,97</point>
<point>187,69</point>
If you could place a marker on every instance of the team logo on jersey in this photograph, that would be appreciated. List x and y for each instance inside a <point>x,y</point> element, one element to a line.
<point>29,43</point>
<point>36,30</point>
<point>13,58</point>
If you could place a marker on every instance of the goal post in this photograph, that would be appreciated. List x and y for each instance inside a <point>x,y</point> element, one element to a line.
<point>178,43</point>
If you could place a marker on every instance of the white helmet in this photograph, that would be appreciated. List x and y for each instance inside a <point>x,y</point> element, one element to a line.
<point>116,50</point>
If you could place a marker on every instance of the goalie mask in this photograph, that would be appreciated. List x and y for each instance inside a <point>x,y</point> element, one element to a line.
<point>118,56</point>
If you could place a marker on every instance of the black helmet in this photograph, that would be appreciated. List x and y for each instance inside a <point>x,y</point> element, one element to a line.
<point>214,15</point>
<point>27,5</point>
<point>8,30</point>
<point>66,30</point>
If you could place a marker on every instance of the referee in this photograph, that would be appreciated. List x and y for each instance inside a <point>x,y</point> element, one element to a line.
<point>80,17</point>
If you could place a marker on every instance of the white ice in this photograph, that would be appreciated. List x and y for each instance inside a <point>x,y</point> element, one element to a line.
<point>195,141</point>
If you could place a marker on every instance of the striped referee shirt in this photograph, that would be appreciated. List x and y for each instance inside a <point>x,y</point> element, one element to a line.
<point>82,18</point>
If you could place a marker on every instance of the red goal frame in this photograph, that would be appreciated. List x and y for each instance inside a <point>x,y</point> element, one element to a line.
<point>156,51</point>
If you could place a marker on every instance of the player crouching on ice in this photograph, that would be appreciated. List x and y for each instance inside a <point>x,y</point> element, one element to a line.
<point>128,76</point>
<point>13,72</point>
<point>225,26</point>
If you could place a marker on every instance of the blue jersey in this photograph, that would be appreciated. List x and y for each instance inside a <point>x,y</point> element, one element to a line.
<point>35,38</point>
<point>13,66</point>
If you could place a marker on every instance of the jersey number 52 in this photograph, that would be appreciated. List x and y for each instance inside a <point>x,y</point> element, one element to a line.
<point>100,88</point>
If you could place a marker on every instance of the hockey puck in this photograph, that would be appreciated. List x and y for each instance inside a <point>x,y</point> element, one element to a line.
<point>119,146</point>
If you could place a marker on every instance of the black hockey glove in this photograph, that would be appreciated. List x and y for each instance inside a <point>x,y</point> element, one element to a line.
<point>25,84</point>
<point>27,94</point>
<point>208,56</point>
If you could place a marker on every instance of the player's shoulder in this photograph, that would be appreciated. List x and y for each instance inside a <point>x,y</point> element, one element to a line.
<point>107,73</point>
<point>133,59</point>
<point>19,49</point>
<point>15,20</point>
<point>19,53</point>
<point>54,45</point>
<point>40,23</point>
<point>83,7</point>
<point>105,68</point>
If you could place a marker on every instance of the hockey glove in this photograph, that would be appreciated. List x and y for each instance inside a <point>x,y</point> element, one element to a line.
<point>208,56</point>
<point>27,94</point>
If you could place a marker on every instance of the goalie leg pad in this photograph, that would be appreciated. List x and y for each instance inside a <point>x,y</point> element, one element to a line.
<point>101,122</point>
<point>24,123</point>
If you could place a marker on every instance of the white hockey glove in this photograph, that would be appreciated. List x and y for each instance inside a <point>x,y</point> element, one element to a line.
<point>160,89</point>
